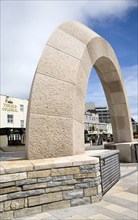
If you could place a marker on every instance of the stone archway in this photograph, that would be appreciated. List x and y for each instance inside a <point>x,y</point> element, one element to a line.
<point>57,100</point>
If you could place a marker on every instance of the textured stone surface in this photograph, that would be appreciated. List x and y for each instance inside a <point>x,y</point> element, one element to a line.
<point>43,180</point>
<point>65,171</point>
<point>35,186</point>
<point>78,106</point>
<point>60,178</point>
<point>124,151</point>
<point>51,163</point>
<point>25,182</point>
<point>95,199</point>
<point>3,198</point>
<point>92,180</point>
<point>119,110</point>
<point>120,135</point>
<point>1,207</point>
<point>2,171</point>
<point>56,205</point>
<point>84,159</point>
<point>59,188</point>
<point>42,199</point>
<point>79,31</point>
<point>59,89</point>
<point>2,185</point>
<point>82,185</point>
<point>95,182</point>
<point>92,191</point>
<point>56,190</point>
<point>80,201</point>
<point>80,176</point>
<point>70,182</point>
<point>99,189</point>
<point>65,42</point>
<point>26,194</point>
<point>36,174</point>
<point>17,166</point>
<point>82,80</point>
<point>14,204</point>
<point>89,169</point>
<point>57,141</point>
<point>55,63</point>
<point>120,122</point>
<point>54,184</point>
<point>78,137</point>
<point>86,62</point>
<point>12,177</point>
<point>6,215</point>
<point>9,190</point>
<point>117,97</point>
<point>57,100</point>
<point>76,193</point>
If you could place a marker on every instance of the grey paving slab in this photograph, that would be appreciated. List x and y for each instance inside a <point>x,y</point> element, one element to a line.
<point>121,202</point>
<point>131,214</point>
<point>6,156</point>
<point>113,213</point>
<point>135,208</point>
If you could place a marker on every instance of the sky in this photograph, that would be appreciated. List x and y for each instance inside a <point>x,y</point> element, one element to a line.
<point>27,25</point>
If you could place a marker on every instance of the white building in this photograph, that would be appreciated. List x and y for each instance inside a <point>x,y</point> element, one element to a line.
<point>104,115</point>
<point>90,119</point>
<point>13,112</point>
<point>92,124</point>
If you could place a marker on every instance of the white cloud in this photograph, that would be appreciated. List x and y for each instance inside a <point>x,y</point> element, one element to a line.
<point>100,10</point>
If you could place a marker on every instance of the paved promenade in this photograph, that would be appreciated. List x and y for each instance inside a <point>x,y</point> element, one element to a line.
<point>119,203</point>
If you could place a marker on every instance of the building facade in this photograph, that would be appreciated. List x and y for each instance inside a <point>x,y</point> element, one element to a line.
<point>104,115</point>
<point>89,120</point>
<point>93,125</point>
<point>13,112</point>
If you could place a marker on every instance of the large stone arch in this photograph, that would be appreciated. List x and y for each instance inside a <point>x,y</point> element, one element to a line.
<point>57,100</point>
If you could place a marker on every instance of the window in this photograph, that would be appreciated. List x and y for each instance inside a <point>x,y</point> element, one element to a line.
<point>22,123</point>
<point>21,108</point>
<point>9,118</point>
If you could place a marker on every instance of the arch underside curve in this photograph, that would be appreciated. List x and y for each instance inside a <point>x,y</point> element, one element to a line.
<point>57,101</point>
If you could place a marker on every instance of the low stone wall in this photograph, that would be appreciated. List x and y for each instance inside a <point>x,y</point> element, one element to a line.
<point>29,187</point>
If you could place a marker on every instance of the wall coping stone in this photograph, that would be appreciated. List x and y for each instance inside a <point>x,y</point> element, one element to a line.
<point>16,166</point>
<point>9,167</point>
<point>102,153</point>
